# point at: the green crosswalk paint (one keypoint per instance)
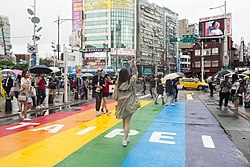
(108, 152)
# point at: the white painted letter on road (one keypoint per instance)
(162, 137)
(22, 124)
(207, 141)
(116, 132)
(84, 131)
(50, 129)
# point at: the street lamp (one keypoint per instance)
(225, 31)
(35, 20)
(59, 21)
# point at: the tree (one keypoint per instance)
(46, 62)
(21, 66)
(6, 63)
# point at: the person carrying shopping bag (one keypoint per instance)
(25, 94)
(127, 102)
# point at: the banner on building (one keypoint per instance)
(77, 9)
(122, 52)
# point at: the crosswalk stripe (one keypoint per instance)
(189, 97)
(207, 141)
(144, 96)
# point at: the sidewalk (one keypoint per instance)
(242, 111)
(58, 102)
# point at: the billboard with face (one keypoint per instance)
(214, 26)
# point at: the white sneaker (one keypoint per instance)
(124, 143)
(38, 107)
(172, 104)
(42, 106)
(27, 119)
(20, 114)
(128, 139)
(97, 113)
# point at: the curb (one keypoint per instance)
(46, 108)
(235, 111)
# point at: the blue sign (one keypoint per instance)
(34, 58)
(179, 64)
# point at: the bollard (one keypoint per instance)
(63, 97)
(8, 105)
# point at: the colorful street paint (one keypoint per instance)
(158, 138)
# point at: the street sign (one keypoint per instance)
(178, 39)
(192, 38)
(32, 49)
(91, 50)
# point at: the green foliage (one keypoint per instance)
(20, 67)
(6, 63)
(46, 62)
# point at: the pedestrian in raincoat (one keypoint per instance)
(125, 95)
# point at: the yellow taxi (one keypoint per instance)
(193, 83)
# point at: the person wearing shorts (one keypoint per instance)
(105, 94)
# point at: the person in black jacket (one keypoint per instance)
(8, 84)
(97, 84)
(169, 92)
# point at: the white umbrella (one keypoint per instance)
(247, 72)
(170, 76)
(87, 75)
(55, 69)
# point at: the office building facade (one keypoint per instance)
(109, 24)
(5, 44)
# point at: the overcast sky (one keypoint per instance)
(48, 11)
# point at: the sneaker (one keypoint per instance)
(42, 106)
(233, 108)
(38, 107)
(108, 112)
(27, 119)
(97, 113)
(156, 103)
(219, 107)
(124, 143)
(166, 104)
(20, 114)
(176, 100)
(128, 139)
(172, 104)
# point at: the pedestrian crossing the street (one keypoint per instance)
(160, 136)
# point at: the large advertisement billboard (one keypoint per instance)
(76, 23)
(214, 26)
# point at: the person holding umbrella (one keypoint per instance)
(169, 92)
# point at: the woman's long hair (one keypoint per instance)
(123, 76)
(24, 73)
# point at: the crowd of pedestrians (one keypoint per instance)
(233, 90)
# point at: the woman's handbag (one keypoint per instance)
(22, 98)
(12, 91)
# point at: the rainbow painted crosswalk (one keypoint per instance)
(159, 138)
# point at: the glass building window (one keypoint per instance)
(207, 63)
(94, 15)
(197, 64)
(96, 30)
(215, 51)
(97, 22)
(215, 63)
(96, 38)
(207, 52)
(197, 52)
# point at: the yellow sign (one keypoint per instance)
(107, 4)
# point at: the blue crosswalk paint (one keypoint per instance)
(163, 144)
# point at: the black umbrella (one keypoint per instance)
(40, 69)
(220, 74)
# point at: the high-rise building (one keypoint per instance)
(5, 45)
(171, 30)
(186, 49)
(109, 24)
(150, 33)
(156, 26)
